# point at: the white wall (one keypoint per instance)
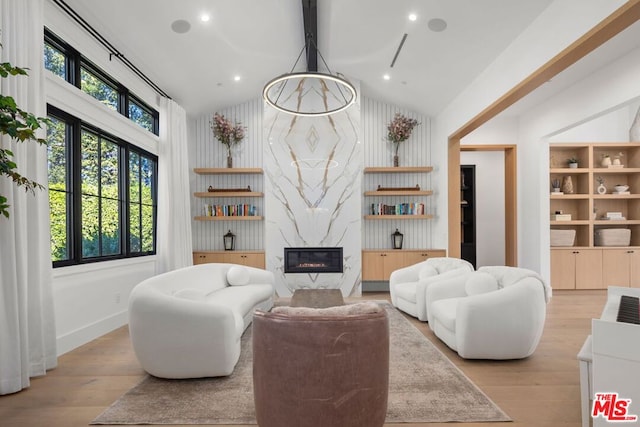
(557, 27)
(489, 205)
(594, 98)
(610, 127)
(91, 300)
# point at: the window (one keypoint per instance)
(64, 61)
(99, 88)
(143, 115)
(101, 201)
(142, 173)
(55, 60)
(102, 193)
(60, 195)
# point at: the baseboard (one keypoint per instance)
(88, 333)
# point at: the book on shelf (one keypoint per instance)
(561, 217)
(398, 209)
(230, 210)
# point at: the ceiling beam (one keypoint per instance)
(310, 19)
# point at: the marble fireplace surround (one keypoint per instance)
(313, 168)
(313, 186)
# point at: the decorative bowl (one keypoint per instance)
(621, 188)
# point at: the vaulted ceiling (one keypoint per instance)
(257, 40)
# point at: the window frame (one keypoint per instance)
(75, 61)
(74, 131)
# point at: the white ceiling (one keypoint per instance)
(260, 39)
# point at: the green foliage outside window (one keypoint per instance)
(140, 116)
(55, 61)
(100, 196)
(58, 194)
(99, 89)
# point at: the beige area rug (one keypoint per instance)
(424, 386)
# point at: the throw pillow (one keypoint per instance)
(191, 294)
(480, 283)
(238, 276)
(427, 271)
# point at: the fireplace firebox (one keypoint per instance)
(313, 260)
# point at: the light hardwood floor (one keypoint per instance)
(540, 391)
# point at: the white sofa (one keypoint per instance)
(408, 285)
(187, 323)
(493, 313)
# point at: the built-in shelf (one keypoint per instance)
(612, 222)
(569, 171)
(398, 193)
(616, 170)
(398, 216)
(228, 218)
(229, 194)
(408, 169)
(572, 222)
(570, 196)
(227, 171)
(616, 196)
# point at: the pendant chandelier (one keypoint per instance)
(309, 93)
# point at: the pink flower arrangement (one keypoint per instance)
(226, 132)
(400, 129)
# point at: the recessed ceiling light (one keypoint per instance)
(205, 17)
(413, 17)
(236, 78)
(386, 77)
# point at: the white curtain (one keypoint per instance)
(174, 210)
(27, 328)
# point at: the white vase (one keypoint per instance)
(567, 185)
(606, 162)
(634, 132)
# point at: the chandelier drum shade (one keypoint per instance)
(309, 93)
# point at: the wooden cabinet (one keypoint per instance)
(379, 264)
(587, 194)
(577, 268)
(249, 258)
(621, 267)
(413, 257)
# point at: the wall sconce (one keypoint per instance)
(229, 241)
(396, 239)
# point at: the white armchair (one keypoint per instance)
(407, 286)
(493, 313)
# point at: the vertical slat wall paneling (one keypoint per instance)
(378, 152)
(210, 153)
